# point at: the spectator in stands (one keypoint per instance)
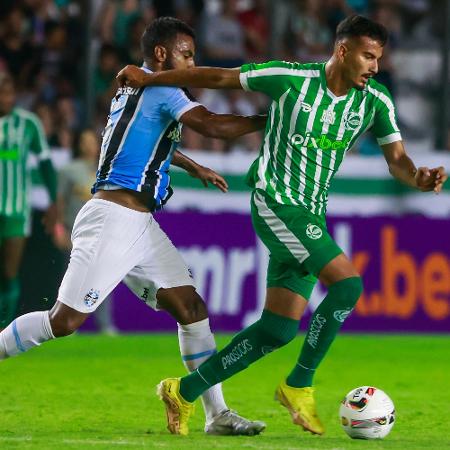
(254, 22)
(104, 77)
(16, 50)
(337, 10)
(117, 16)
(223, 38)
(21, 134)
(133, 53)
(312, 38)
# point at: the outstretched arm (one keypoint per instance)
(221, 126)
(202, 77)
(195, 170)
(402, 168)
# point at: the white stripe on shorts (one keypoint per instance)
(284, 235)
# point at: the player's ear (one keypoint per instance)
(160, 53)
(341, 50)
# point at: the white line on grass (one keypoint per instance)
(16, 438)
(85, 441)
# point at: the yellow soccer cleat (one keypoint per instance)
(178, 409)
(301, 405)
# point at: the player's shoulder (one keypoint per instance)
(28, 116)
(161, 94)
(377, 89)
(291, 68)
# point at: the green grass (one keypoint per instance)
(90, 392)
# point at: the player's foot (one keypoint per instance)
(301, 405)
(230, 423)
(178, 409)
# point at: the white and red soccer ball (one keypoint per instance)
(367, 413)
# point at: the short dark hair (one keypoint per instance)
(161, 32)
(356, 26)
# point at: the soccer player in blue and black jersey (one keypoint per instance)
(115, 236)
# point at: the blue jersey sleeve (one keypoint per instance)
(177, 102)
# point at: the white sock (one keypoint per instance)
(25, 332)
(197, 344)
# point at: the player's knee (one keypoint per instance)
(347, 291)
(279, 330)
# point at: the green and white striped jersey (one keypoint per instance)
(20, 133)
(309, 129)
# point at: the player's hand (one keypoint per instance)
(430, 179)
(50, 218)
(132, 76)
(206, 176)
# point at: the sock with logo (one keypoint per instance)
(271, 331)
(197, 344)
(323, 328)
(10, 298)
(25, 332)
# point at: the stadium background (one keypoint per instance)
(64, 55)
(97, 391)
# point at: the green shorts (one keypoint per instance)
(14, 226)
(298, 241)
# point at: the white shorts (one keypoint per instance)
(112, 243)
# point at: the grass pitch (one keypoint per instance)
(93, 392)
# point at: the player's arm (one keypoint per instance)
(221, 126)
(195, 170)
(403, 169)
(202, 77)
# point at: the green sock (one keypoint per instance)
(323, 328)
(10, 295)
(271, 331)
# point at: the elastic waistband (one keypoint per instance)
(110, 204)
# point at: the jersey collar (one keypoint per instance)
(330, 94)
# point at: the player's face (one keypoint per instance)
(7, 98)
(181, 54)
(360, 60)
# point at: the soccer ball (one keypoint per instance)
(367, 413)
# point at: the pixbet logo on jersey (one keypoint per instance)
(321, 142)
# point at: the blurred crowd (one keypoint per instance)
(56, 49)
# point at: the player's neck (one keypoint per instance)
(335, 82)
(153, 66)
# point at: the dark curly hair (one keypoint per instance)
(163, 31)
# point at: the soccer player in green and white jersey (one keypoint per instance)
(317, 113)
(20, 133)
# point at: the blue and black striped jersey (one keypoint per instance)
(140, 137)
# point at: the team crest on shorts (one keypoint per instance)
(313, 231)
(91, 298)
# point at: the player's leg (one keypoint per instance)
(277, 326)
(12, 245)
(344, 289)
(301, 241)
(95, 268)
(271, 331)
(163, 281)
(197, 344)
(293, 236)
